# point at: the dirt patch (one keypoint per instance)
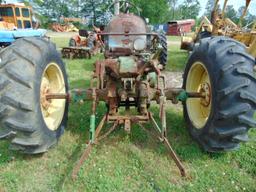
(170, 43)
(173, 79)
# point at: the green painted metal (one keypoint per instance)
(92, 128)
(183, 96)
(127, 65)
(152, 79)
(77, 97)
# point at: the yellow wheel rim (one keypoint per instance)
(52, 82)
(199, 108)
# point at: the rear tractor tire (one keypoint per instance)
(224, 70)
(204, 34)
(29, 69)
(72, 42)
(163, 59)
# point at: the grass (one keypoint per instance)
(60, 42)
(123, 163)
(174, 38)
(176, 58)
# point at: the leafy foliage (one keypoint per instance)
(209, 7)
(154, 10)
(190, 9)
(97, 12)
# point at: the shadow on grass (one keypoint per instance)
(186, 148)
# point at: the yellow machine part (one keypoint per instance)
(21, 16)
(5, 25)
(252, 48)
(197, 110)
(52, 81)
(245, 38)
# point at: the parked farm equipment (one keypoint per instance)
(66, 24)
(84, 48)
(67, 27)
(219, 25)
(218, 94)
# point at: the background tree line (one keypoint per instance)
(158, 11)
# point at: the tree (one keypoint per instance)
(96, 10)
(173, 4)
(52, 9)
(190, 9)
(209, 8)
(240, 13)
(155, 10)
(248, 20)
(231, 13)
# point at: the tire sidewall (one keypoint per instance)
(72, 42)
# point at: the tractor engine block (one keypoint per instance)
(126, 83)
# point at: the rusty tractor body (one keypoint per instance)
(130, 77)
(218, 93)
(219, 25)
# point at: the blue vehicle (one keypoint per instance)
(9, 36)
(16, 22)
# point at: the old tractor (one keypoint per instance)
(16, 22)
(218, 94)
(220, 25)
(84, 45)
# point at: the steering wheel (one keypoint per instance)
(126, 5)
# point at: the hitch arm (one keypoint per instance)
(168, 145)
(176, 95)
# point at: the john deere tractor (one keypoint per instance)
(218, 93)
(16, 22)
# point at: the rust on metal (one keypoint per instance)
(87, 150)
(175, 157)
(51, 96)
(76, 52)
(116, 123)
(84, 46)
(84, 156)
(206, 94)
(130, 78)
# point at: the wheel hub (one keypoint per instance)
(206, 92)
(199, 109)
(44, 102)
(52, 83)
